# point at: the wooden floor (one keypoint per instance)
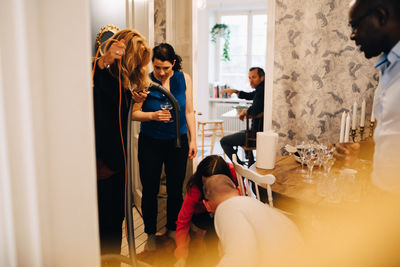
(140, 235)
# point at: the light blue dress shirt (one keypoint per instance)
(386, 168)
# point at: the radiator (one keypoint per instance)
(231, 125)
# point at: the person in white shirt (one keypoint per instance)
(375, 29)
(251, 233)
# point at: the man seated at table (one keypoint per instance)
(251, 233)
(256, 79)
(376, 29)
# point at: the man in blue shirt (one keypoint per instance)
(375, 28)
(256, 79)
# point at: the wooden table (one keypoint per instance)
(330, 229)
(289, 182)
(290, 189)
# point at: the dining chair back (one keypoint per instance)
(244, 175)
(251, 134)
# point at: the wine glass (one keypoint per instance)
(310, 159)
(334, 193)
(301, 151)
(166, 106)
(328, 162)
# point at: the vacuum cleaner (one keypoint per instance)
(132, 260)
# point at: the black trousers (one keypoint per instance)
(152, 154)
(110, 197)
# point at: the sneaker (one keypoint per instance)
(150, 243)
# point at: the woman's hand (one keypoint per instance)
(192, 150)
(116, 51)
(161, 115)
(139, 97)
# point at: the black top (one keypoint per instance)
(258, 105)
(107, 107)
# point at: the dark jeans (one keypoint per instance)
(110, 197)
(230, 143)
(152, 154)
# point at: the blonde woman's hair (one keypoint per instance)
(134, 64)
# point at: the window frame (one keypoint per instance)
(249, 14)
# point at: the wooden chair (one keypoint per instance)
(242, 172)
(210, 126)
(250, 138)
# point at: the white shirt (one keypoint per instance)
(386, 166)
(254, 234)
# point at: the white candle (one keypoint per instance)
(353, 122)
(342, 125)
(362, 120)
(372, 111)
(347, 130)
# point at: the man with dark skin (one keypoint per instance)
(371, 228)
(375, 28)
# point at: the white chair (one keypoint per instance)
(242, 172)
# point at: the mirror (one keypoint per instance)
(104, 34)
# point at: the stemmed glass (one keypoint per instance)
(324, 183)
(310, 159)
(320, 150)
(166, 106)
(327, 163)
(301, 151)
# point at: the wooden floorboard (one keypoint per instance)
(140, 235)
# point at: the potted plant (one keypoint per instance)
(222, 30)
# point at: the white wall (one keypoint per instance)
(203, 70)
(46, 137)
(103, 12)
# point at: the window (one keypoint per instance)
(247, 47)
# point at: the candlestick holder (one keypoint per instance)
(353, 134)
(358, 133)
(371, 128)
(362, 128)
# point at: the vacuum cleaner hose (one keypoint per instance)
(156, 87)
(129, 188)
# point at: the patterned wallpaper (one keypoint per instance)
(318, 73)
(159, 21)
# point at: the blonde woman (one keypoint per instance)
(128, 53)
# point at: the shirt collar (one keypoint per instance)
(260, 85)
(386, 59)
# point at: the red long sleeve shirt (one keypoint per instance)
(192, 204)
